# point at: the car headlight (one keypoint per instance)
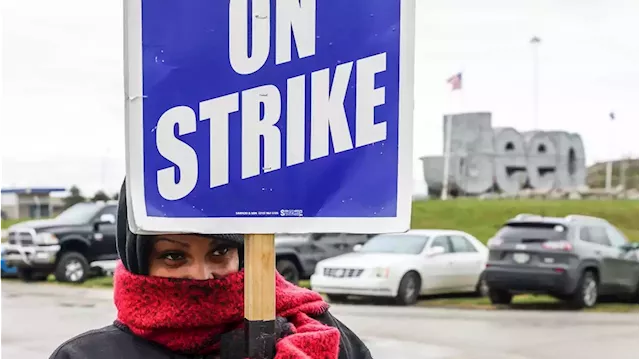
(46, 238)
(381, 272)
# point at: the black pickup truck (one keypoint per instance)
(70, 246)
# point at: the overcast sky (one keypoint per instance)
(62, 76)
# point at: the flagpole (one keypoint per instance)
(447, 158)
(456, 83)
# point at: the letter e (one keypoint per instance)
(367, 98)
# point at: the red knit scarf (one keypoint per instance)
(189, 316)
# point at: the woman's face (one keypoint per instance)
(192, 257)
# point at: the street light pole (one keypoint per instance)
(609, 166)
(535, 43)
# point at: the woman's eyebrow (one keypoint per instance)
(215, 244)
(161, 238)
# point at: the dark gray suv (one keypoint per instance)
(575, 258)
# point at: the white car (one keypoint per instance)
(404, 266)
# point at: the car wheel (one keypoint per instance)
(500, 297)
(409, 289)
(29, 275)
(586, 293)
(72, 267)
(288, 270)
(337, 298)
(482, 288)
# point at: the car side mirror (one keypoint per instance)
(435, 251)
(357, 247)
(106, 218)
(633, 246)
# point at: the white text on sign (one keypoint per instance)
(328, 115)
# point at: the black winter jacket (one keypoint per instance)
(116, 342)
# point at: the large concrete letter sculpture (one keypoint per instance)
(483, 158)
(571, 170)
(510, 160)
(541, 161)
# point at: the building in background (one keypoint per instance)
(31, 202)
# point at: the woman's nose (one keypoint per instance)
(200, 271)
(206, 270)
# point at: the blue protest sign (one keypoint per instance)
(269, 116)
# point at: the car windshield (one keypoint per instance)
(79, 213)
(532, 231)
(398, 244)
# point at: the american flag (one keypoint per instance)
(455, 81)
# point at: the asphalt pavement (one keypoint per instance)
(36, 318)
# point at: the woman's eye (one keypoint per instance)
(173, 256)
(220, 251)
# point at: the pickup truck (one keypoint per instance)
(71, 246)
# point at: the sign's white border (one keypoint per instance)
(141, 223)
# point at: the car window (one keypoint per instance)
(79, 213)
(584, 234)
(598, 235)
(442, 242)
(519, 231)
(461, 245)
(395, 243)
(616, 238)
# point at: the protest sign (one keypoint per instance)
(269, 116)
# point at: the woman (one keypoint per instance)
(182, 296)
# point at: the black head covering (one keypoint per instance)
(134, 249)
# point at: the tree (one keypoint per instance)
(100, 196)
(75, 196)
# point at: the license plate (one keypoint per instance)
(521, 258)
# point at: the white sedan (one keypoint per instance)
(404, 266)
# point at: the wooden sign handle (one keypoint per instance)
(260, 295)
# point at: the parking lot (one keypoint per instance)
(36, 318)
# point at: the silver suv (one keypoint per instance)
(575, 258)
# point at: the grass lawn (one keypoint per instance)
(483, 218)
(6, 223)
